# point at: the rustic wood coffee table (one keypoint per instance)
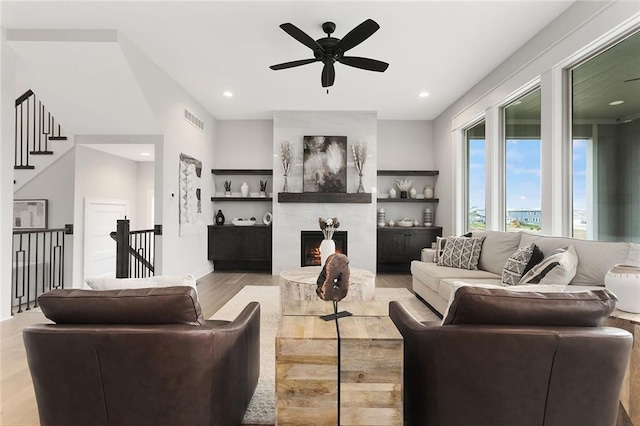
(307, 366)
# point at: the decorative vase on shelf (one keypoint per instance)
(286, 184)
(403, 194)
(381, 217)
(413, 193)
(327, 248)
(219, 218)
(624, 282)
(244, 190)
(428, 217)
(392, 193)
(360, 189)
(428, 192)
(227, 193)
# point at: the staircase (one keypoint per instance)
(35, 129)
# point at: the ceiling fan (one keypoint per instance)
(329, 49)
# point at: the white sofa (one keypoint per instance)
(433, 283)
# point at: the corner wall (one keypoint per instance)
(7, 100)
(167, 100)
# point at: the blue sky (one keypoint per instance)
(523, 173)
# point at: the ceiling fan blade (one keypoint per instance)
(357, 35)
(292, 64)
(364, 63)
(301, 36)
(328, 74)
(631, 79)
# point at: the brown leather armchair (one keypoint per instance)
(141, 357)
(511, 358)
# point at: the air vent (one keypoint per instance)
(188, 115)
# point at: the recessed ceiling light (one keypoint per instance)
(616, 103)
(145, 154)
(423, 94)
(227, 94)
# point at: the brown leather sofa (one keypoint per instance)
(141, 357)
(512, 358)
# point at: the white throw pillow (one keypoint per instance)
(541, 288)
(125, 283)
(558, 267)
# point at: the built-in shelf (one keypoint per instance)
(242, 199)
(391, 228)
(252, 172)
(408, 172)
(323, 197)
(408, 200)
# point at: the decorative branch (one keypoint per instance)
(359, 156)
(285, 154)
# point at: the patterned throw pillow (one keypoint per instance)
(440, 242)
(461, 252)
(520, 262)
(559, 267)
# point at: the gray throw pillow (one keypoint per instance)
(520, 262)
(461, 252)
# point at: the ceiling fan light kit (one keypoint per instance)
(330, 50)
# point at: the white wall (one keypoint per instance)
(146, 176)
(243, 144)
(359, 220)
(581, 29)
(405, 145)
(7, 100)
(167, 100)
(104, 176)
(56, 183)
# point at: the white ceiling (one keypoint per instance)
(208, 47)
(132, 151)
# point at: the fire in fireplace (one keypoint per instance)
(310, 246)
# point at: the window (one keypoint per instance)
(606, 149)
(476, 156)
(522, 163)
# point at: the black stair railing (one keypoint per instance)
(135, 250)
(38, 265)
(34, 128)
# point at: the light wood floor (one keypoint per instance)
(17, 399)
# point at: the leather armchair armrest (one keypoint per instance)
(427, 255)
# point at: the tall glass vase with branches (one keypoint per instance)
(359, 158)
(285, 157)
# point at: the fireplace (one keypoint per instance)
(310, 246)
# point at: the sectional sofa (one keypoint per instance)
(434, 283)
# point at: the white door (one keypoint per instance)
(99, 248)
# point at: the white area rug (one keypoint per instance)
(262, 408)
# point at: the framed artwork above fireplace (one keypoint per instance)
(325, 164)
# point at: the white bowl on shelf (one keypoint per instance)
(243, 222)
(405, 223)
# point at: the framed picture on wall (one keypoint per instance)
(325, 164)
(30, 214)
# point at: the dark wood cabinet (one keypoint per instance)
(397, 246)
(240, 247)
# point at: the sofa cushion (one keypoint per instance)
(430, 274)
(163, 305)
(129, 283)
(474, 305)
(496, 249)
(520, 262)
(461, 252)
(595, 258)
(448, 285)
(558, 267)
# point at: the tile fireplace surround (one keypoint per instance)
(358, 219)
